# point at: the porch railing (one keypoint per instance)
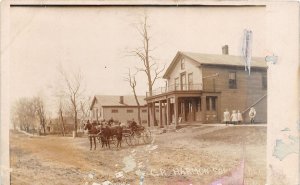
(176, 87)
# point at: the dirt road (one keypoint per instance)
(195, 156)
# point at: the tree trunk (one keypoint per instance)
(139, 115)
(62, 122)
(75, 122)
(44, 124)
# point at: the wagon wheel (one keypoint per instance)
(128, 139)
(147, 137)
(136, 138)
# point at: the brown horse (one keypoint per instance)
(92, 132)
(108, 132)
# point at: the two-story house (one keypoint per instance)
(200, 87)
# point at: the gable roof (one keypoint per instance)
(213, 59)
(113, 100)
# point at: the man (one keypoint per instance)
(252, 114)
(226, 117)
(111, 121)
(119, 135)
(134, 125)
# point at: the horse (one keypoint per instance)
(92, 132)
(108, 132)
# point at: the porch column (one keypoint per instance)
(176, 111)
(183, 119)
(154, 114)
(148, 115)
(203, 108)
(194, 109)
(165, 114)
(168, 112)
(160, 114)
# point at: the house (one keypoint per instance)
(121, 108)
(55, 125)
(200, 87)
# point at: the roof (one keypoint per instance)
(110, 100)
(213, 59)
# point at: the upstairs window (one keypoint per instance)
(264, 81)
(182, 64)
(176, 83)
(232, 80)
(114, 111)
(129, 111)
(190, 81)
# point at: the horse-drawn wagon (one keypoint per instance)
(132, 134)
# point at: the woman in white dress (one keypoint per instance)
(226, 117)
(234, 117)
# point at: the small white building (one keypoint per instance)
(121, 108)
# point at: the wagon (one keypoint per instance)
(132, 136)
(137, 136)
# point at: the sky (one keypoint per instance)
(96, 41)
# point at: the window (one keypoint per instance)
(198, 105)
(176, 83)
(181, 107)
(211, 103)
(129, 111)
(182, 64)
(190, 81)
(264, 81)
(183, 81)
(114, 111)
(144, 110)
(190, 107)
(144, 121)
(232, 80)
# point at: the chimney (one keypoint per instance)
(121, 99)
(225, 50)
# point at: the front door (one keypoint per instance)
(211, 109)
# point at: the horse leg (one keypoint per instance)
(107, 140)
(95, 142)
(90, 142)
(102, 142)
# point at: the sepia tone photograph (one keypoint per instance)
(148, 93)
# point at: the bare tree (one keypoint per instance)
(84, 109)
(132, 82)
(144, 53)
(61, 117)
(24, 114)
(74, 91)
(39, 107)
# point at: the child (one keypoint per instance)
(226, 117)
(240, 117)
(234, 117)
